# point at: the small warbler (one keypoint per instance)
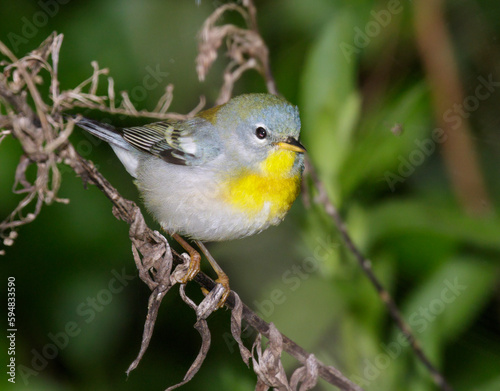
(228, 172)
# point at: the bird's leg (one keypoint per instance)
(194, 265)
(222, 277)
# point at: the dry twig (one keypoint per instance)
(366, 266)
(245, 48)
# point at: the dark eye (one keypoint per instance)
(261, 133)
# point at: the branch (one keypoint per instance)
(366, 266)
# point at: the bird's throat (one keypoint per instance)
(273, 188)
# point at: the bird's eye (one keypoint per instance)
(261, 133)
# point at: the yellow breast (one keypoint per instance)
(274, 187)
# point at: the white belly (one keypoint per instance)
(187, 200)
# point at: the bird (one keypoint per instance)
(226, 173)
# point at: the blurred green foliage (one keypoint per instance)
(441, 265)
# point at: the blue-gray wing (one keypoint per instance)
(189, 143)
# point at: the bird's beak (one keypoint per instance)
(291, 144)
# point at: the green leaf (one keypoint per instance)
(378, 153)
(330, 101)
(395, 218)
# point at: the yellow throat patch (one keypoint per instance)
(275, 186)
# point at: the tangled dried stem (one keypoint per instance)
(244, 47)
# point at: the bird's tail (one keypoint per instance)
(105, 132)
(128, 155)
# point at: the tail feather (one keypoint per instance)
(105, 132)
(128, 155)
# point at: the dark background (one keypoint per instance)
(438, 255)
